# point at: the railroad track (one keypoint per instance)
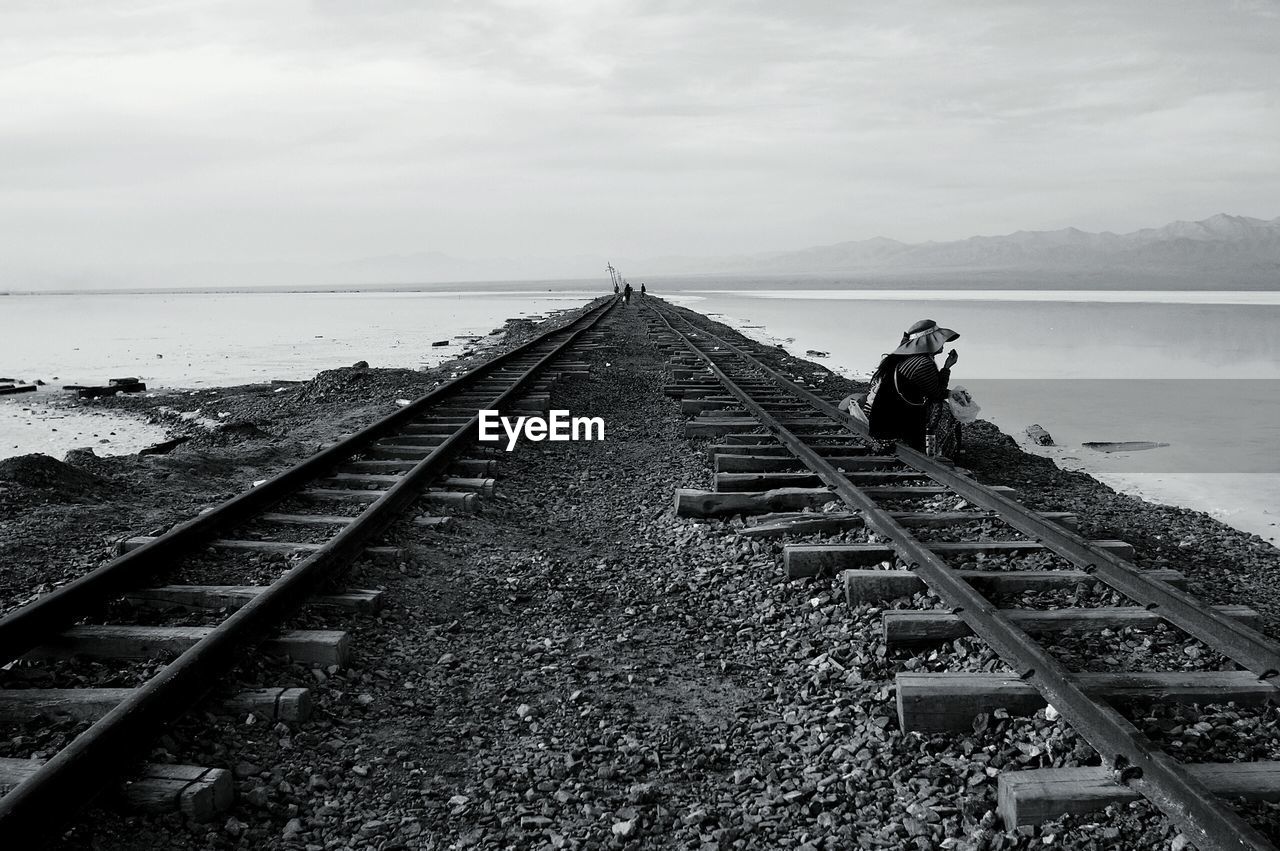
(781, 448)
(316, 519)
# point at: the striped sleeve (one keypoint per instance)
(920, 377)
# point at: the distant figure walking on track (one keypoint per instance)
(626, 294)
(615, 287)
(908, 395)
(642, 289)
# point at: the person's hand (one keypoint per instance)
(952, 357)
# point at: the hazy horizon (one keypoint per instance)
(180, 142)
(897, 280)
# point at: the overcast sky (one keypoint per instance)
(176, 132)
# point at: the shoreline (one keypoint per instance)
(123, 424)
(203, 340)
(55, 422)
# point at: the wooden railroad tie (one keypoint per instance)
(460, 501)
(691, 391)
(696, 389)
(709, 403)
(268, 547)
(416, 441)
(801, 560)
(438, 424)
(811, 522)
(878, 586)
(340, 494)
(766, 447)
(909, 628)
(470, 468)
(690, 502)
(457, 500)
(305, 519)
(948, 702)
(198, 793)
(98, 641)
(785, 463)
(714, 406)
(717, 426)
(537, 402)
(90, 704)
(1032, 797)
(752, 482)
(433, 429)
(235, 596)
(818, 442)
(396, 452)
(482, 486)
(695, 393)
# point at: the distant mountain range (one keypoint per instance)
(1242, 244)
(1219, 252)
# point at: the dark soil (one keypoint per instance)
(39, 477)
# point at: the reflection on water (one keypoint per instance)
(209, 339)
(1025, 339)
(1206, 425)
(1267, 297)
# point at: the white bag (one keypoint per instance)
(962, 405)
(852, 405)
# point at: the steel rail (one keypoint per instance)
(1249, 647)
(80, 769)
(1205, 819)
(24, 628)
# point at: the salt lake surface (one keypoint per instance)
(203, 339)
(219, 339)
(1087, 365)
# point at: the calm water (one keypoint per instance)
(1037, 334)
(210, 339)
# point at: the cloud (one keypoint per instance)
(144, 132)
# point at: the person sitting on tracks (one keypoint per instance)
(626, 294)
(908, 396)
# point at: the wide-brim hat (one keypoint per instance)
(925, 338)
